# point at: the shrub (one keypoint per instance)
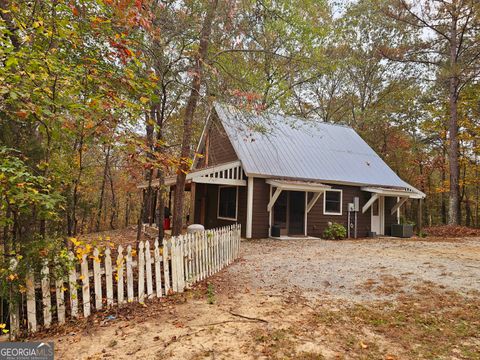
(335, 231)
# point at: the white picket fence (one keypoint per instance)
(134, 276)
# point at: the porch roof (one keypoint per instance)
(226, 174)
(402, 195)
(406, 193)
(295, 185)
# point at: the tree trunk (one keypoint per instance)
(139, 222)
(453, 204)
(468, 211)
(443, 200)
(114, 213)
(127, 209)
(161, 214)
(102, 189)
(477, 192)
(188, 118)
(147, 203)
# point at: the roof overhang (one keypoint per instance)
(406, 193)
(292, 185)
(230, 173)
(298, 185)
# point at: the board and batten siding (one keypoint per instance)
(261, 197)
(318, 222)
(220, 149)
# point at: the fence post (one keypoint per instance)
(141, 272)
(196, 263)
(148, 269)
(60, 297)
(31, 304)
(85, 286)
(97, 279)
(72, 284)
(210, 257)
(173, 257)
(108, 276)
(166, 270)
(129, 274)
(181, 263)
(46, 298)
(158, 274)
(120, 263)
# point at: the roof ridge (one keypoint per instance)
(269, 112)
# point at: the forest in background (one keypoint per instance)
(98, 96)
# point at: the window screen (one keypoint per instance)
(227, 202)
(333, 203)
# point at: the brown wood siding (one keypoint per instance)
(210, 194)
(220, 149)
(318, 222)
(261, 197)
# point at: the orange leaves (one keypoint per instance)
(74, 9)
(12, 277)
(121, 50)
(22, 114)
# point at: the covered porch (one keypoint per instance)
(289, 205)
(380, 213)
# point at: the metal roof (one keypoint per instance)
(276, 146)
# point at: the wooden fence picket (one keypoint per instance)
(141, 272)
(85, 286)
(210, 257)
(181, 262)
(186, 262)
(204, 255)
(166, 265)
(174, 262)
(46, 301)
(158, 269)
(196, 241)
(73, 288)
(60, 298)
(129, 274)
(97, 279)
(108, 276)
(119, 267)
(148, 269)
(31, 304)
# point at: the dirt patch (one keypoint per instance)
(452, 231)
(113, 238)
(375, 299)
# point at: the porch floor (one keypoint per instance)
(286, 237)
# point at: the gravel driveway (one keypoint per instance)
(358, 269)
(308, 299)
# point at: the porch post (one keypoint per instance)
(192, 202)
(248, 230)
(420, 217)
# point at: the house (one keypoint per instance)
(286, 176)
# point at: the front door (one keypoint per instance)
(377, 207)
(296, 213)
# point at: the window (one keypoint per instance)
(227, 202)
(332, 202)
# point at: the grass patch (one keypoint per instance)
(431, 324)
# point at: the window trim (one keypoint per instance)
(325, 202)
(236, 203)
